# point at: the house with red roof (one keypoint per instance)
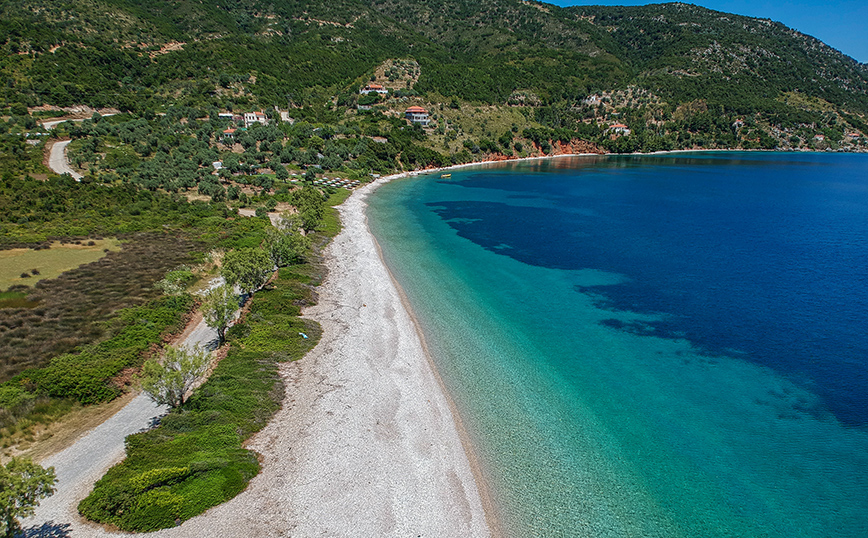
(255, 117)
(229, 134)
(620, 129)
(417, 114)
(373, 88)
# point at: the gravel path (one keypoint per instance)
(57, 160)
(81, 465)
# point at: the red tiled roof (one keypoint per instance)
(417, 110)
(374, 87)
(229, 131)
(618, 126)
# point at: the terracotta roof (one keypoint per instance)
(229, 131)
(374, 87)
(417, 110)
(618, 126)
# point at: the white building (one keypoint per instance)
(375, 88)
(254, 117)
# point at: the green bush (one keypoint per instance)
(195, 458)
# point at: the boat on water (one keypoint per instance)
(444, 176)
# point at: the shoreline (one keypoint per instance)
(367, 442)
(486, 498)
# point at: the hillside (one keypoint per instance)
(493, 72)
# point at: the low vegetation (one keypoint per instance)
(195, 459)
(26, 267)
(73, 310)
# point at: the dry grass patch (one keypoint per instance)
(74, 309)
(40, 440)
(51, 262)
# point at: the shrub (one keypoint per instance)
(195, 458)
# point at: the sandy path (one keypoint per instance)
(274, 216)
(81, 465)
(57, 160)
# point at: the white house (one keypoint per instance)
(620, 129)
(375, 88)
(254, 117)
(417, 114)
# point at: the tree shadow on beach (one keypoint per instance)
(48, 530)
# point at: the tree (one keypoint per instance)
(219, 309)
(248, 268)
(285, 244)
(169, 382)
(311, 207)
(22, 484)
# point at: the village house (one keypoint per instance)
(373, 88)
(619, 129)
(417, 114)
(255, 117)
(229, 135)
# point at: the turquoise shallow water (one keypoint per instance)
(668, 346)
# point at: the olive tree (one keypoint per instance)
(219, 309)
(22, 485)
(285, 243)
(247, 268)
(168, 382)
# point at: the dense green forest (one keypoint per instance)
(676, 72)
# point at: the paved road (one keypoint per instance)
(81, 465)
(51, 124)
(57, 160)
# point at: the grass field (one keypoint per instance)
(49, 263)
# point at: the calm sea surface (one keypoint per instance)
(650, 346)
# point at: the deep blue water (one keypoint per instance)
(651, 346)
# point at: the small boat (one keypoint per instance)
(445, 176)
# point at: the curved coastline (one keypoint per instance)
(367, 442)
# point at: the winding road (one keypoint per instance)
(57, 160)
(81, 465)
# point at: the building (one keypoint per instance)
(373, 88)
(619, 129)
(417, 114)
(255, 117)
(738, 124)
(229, 134)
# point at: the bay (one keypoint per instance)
(668, 345)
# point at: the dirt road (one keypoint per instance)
(81, 465)
(57, 160)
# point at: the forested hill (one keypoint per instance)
(665, 68)
(111, 50)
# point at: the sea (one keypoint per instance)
(649, 346)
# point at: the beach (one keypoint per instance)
(366, 443)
